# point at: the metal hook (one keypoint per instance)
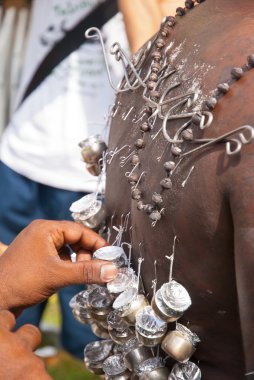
(124, 160)
(114, 152)
(141, 175)
(95, 33)
(223, 138)
(130, 252)
(128, 174)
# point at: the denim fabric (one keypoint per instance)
(22, 201)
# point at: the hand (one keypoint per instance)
(37, 263)
(16, 351)
(3, 248)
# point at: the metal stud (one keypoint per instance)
(165, 30)
(135, 160)
(170, 21)
(140, 143)
(166, 183)
(160, 43)
(153, 77)
(157, 199)
(223, 88)
(140, 205)
(156, 55)
(211, 103)
(133, 179)
(176, 151)
(151, 85)
(145, 127)
(187, 134)
(196, 119)
(155, 216)
(237, 73)
(169, 166)
(250, 60)
(136, 194)
(180, 11)
(155, 67)
(154, 94)
(189, 4)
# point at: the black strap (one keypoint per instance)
(73, 39)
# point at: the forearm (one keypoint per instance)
(3, 247)
(143, 17)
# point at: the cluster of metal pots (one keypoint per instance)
(132, 328)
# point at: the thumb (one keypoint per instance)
(86, 272)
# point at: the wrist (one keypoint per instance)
(5, 291)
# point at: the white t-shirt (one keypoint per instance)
(41, 141)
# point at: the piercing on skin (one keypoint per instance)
(188, 176)
(171, 259)
(124, 160)
(140, 177)
(140, 261)
(154, 282)
(126, 114)
(128, 174)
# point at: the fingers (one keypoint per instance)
(7, 320)
(74, 234)
(30, 336)
(86, 272)
(3, 248)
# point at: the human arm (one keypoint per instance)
(143, 17)
(37, 263)
(16, 351)
(3, 248)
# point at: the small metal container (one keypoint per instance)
(79, 307)
(99, 331)
(129, 303)
(171, 301)
(94, 170)
(135, 354)
(153, 369)
(180, 344)
(185, 371)
(115, 369)
(96, 353)
(156, 374)
(150, 329)
(118, 329)
(99, 303)
(89, 211)
(125, 279)
(92, 149)
(112, 253)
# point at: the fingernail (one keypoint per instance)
(108, 272)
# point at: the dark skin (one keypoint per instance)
(33, 267)
(213, 215)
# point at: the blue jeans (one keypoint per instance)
(22, 201)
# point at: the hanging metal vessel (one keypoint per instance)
(171, 301)
(115, 369)
(112, 253)
(185, 371)
(95, 353)
(89, 211)
(180, 344)
(92, 149)
(153, 369)
(150, 329)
